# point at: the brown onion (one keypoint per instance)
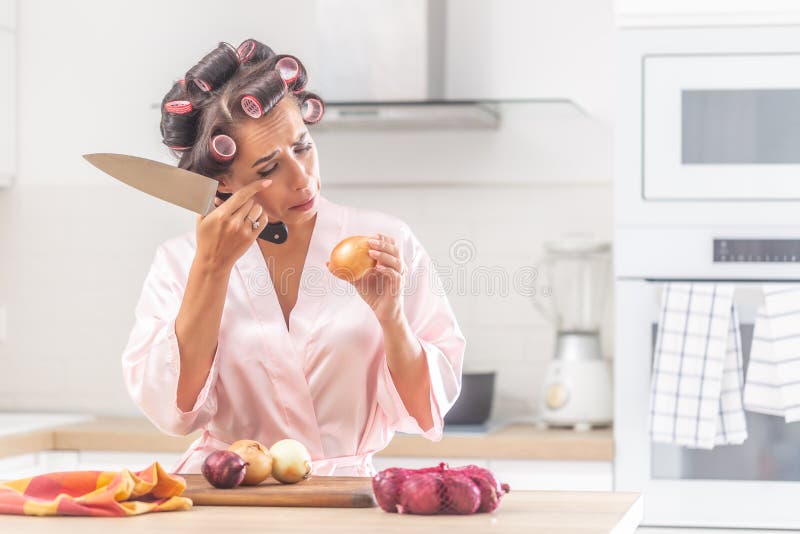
(350, 259)
(257, 458)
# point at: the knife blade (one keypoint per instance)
(177, 186)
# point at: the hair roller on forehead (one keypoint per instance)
(213, 70)
(262, 94)
(312, 108)
(201, 115)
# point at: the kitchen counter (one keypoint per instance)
(517, 441)
(525, 511)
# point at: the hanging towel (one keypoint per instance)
(773, 373)
(95, 493)
(696, 389)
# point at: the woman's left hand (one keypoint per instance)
(382, 286)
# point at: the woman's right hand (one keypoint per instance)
(225, 233)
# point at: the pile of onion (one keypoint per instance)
(350, 259)
(248, 462)
(438, 490)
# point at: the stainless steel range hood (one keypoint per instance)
(383, 65)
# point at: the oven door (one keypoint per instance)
(721, 127)
(753, 485)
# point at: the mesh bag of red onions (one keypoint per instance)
(438, 490)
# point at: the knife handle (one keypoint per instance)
(273, 232)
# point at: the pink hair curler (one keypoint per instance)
(246, 51)
(252, 106)
(182, 82)
(203, 85)
(223, 148)
(179, 107)
(312, 110)
(178, 148)
(288, 68)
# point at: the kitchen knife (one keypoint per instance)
(177, 186)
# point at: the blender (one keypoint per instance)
(574, 288)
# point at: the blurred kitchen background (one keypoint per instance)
(532, 165)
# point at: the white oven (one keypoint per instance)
(707, 188)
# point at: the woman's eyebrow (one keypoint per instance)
(300, 139)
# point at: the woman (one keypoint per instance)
(246, 338)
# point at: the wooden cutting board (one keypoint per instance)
(317, 491)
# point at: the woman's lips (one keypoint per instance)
(306, 205)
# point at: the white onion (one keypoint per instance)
(291, 461)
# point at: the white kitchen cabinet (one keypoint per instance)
(524, 474)
(21, 466)
(27, 465)
(8, 107)
(554, 475)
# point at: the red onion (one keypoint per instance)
(386, 486)
(438, 489)
(421, 494)
(224, 469)
(491, 491)
(461, 495)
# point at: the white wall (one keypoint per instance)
(76, 245)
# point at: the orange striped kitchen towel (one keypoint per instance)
(95, 493)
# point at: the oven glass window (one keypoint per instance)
(771, 451)
(755, 126)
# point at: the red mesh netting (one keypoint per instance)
(438, 490)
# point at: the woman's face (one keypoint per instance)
(277, 147)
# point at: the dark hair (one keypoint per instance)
(214, 89)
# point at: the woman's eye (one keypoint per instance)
(267, 172)
(298, 150)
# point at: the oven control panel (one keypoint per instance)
(756, 250)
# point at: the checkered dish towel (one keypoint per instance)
(95, 493)
(773, 373)
(696, 390)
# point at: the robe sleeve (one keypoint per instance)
(433, 322)
(151, 360)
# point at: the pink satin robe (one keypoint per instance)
(324, 382)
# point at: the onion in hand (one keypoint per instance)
(291, 461)
(257, 458)
(350, 259)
